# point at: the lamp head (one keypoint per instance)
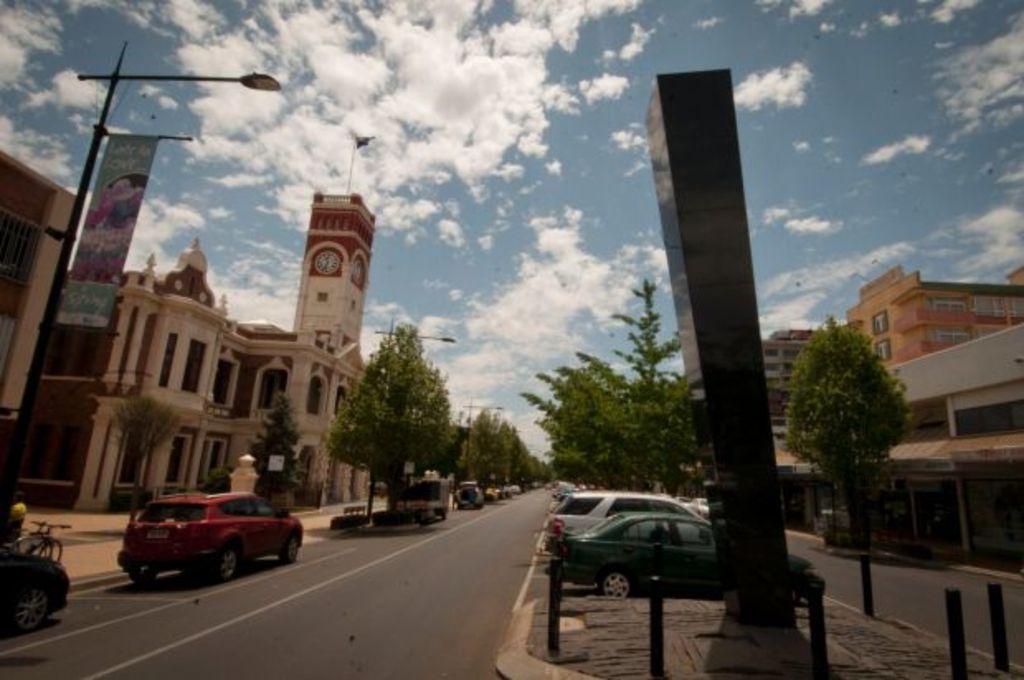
(260, 81)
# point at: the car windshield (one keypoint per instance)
(173, 512)
(605, 524)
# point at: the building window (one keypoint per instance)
(174, 461)
(8, 324)
(165, 368)
(1016, 306)
(985, 305)
(39, 454)
(274, 380)
(18, 239)
(947, 304)
(315, 396)
(880, 323)
(339, 398)
(950, 335)
(214, 454)
(321, 297)
(66, 453)
(884, 350)
(222, 381)
(129, 467)
(771, 352)
(1004, 417)
(193, 366)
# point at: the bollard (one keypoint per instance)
(955, 626)
(998, 620)
(819, 645)
(554, 602)
(865, 582)
(657, 629)
(658, 561)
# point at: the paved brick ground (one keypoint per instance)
(701, 641)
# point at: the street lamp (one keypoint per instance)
(19, 437)
(443, 338)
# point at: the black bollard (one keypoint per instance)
(554, 602)
(657, 629)
(819, 645)
(998, 619)
(865, 582)
(955, 626)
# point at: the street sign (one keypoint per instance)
(410, 467)
(275, 464)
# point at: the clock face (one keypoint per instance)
(327, 262)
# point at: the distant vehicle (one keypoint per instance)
(427, 499)
(212, 533)
(582, 510)
(617, 555)
(31, 588)
(469, 496)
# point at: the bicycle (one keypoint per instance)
(42, 542)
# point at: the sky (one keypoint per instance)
(509, 171)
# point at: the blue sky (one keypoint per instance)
(509, 172)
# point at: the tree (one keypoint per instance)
(398, 412)
(621, 430)
(279, 437)
(845, 412)
(144, 425)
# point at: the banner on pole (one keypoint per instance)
(95, 276)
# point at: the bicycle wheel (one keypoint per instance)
(29, 545)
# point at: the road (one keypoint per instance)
(430, 602)
(917, 594)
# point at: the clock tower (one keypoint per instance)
(335, 269)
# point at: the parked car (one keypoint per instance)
(214, 533)
(584, 509)
(617, 555)
(470, 496)
(698, 505)
(31, 588)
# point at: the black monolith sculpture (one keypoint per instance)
(691, 131)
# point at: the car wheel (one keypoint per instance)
(225, 566)
(615, 583)
(290, 550)
(142, 576)
(31, 607)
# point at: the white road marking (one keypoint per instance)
(529, 574)
(294, 596)
(215, 591)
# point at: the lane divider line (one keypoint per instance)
(529, 574)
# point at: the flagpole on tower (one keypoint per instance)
(357, 143)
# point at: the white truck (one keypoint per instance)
(427, 499)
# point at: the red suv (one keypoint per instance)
(216, 532)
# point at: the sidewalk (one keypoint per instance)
(94, 539)
(608, 638)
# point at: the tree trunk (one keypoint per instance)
(369, 502)
(856, 514)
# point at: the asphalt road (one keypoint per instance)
(916, 595)
(430, 602)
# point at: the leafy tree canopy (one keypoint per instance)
(279, 437)
(144, 425)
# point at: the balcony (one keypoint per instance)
(920, 348)
(919, 316)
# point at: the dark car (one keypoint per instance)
(31, 588)
(617, 555)
(470, 496)
(207, 532)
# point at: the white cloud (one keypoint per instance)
(559, 98)
(775, 214)
(890, 20)
(66, 90)
(807, 7)
(768, 5)
(46, 155)
(161, 221)
(24, 31)
(629, 139)
(998, 237)
(826, 27)
(241, 179)
(812, 225)
(220, 212)
(554, 167)
(986, 83)
(510, 171)
(1014, 175)
(945, 12)
(911, 144)
(605, 86)
(455, 294)
(637, 40)
(801, 146)
(794, 312)
(486, 242)
(705, 24)
(835, 274)
(784, 87)
(451, 233)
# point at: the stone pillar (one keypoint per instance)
(965, 521)
(694, 148)
(243, 477)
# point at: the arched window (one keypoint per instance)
(274, 380)
(315, 396)
(339, 398)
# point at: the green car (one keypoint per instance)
(617, 555)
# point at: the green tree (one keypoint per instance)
(621, 430)
(845, 412)
(144, 425)
(279, 437)
(398, 412)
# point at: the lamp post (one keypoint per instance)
(443, 338)
(19, 437)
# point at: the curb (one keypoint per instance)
(98, 581)
(516, 663)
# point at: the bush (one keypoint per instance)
(217, 481)
(392, 518)
(121, 501)
(349, 522)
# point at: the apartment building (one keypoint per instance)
(780, 351)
